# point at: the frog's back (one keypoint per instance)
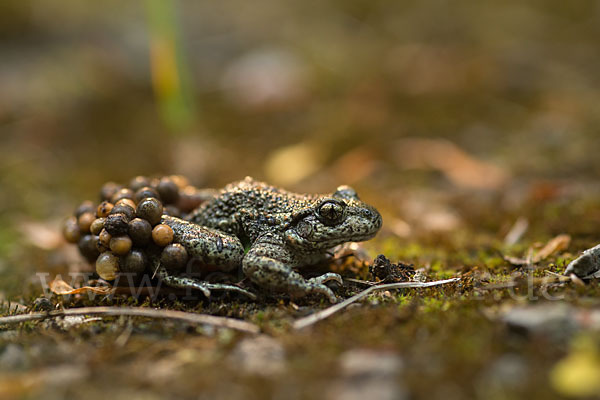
(247, 203)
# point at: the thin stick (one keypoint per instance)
(318, 316)
(137, 312)
(360, 282)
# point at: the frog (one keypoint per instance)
(271, 233)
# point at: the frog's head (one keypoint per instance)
(333, 220)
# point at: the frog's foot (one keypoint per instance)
(182, 282)
(317, 285)
(330, 276)
(277, 275)
(311, 287)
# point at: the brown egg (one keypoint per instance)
(139, 182)
(104, 238)
(162, 235)
(100, 247)
(107, 266)
(172, 211)
(116, 224)
(174, 257)
(128, 202)
(154, 183)
(150, 209)
(190, 198)
(87, 247)
(120, 245)
(71, 230)
(136, 261)
(168, 190)
(104, 209)
(109, 189)
(145, 192)
(122, 208)
(85, 221)
(97, 226)
(180, 180)
(124, 193)
(140, 232)
(86, 206)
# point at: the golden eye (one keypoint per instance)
(331, 211)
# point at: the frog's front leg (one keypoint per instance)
(269, 265)
(209, 246)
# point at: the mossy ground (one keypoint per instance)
(450, 338)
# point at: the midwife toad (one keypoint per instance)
(280, 230)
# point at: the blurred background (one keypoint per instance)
(411, 102)
(473, 126)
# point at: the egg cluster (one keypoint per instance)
(124, 229)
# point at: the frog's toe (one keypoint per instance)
(187, 283)
(330, 276)
(232, 288)
(324, 290)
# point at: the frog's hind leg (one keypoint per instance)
(207, 246)
(183, 282)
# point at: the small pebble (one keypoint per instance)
(42, 304)
(85, 221)
(120, 245)
(144, 192)
(140, 232)
(126, 209)
(107, 266)
(87, 247)
(162, 235)
(86, 206)
(150, 209)
(174, 257)
(109, 189)
(168, 190)
(124, 193)
(135, 261)
(71, 230)
(116, 224)
(139, 182)
(97, 226)
(104, 209)
(104, 238)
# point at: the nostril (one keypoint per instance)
(367, 213)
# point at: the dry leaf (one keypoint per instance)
(60, 287)
(516, 231)
(559, 243)
(43, 235)
(554, 245)
(290, 164)
(458, 166)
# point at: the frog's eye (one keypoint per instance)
(330, 211)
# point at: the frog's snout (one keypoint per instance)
(373, 215)
(370, 220)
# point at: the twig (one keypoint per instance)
(318, 316)
(360, 282)
(137, 312)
